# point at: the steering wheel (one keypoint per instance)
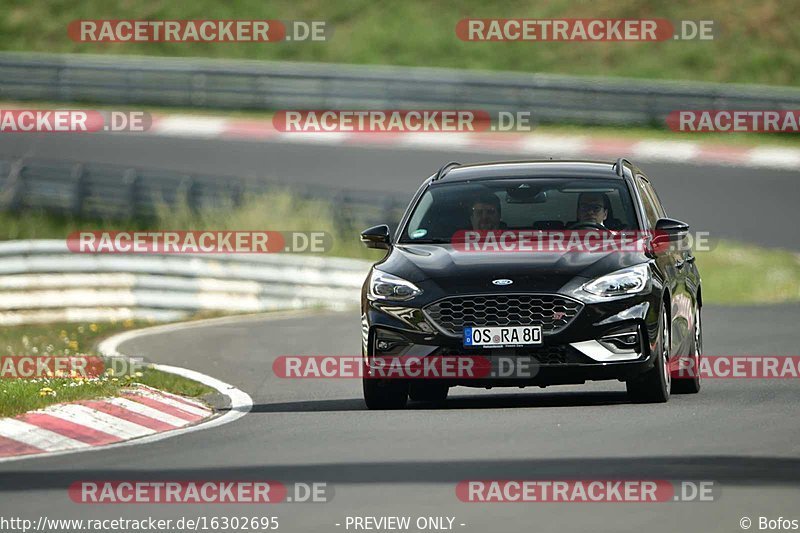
(587, 225)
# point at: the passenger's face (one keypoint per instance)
(590, 209)
(485, 216)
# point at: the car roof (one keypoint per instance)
(532, 169)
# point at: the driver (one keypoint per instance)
(485, 212)
(592, 208)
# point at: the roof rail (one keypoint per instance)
(445, 169)
(619, 166)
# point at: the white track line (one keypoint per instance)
(41, 438)
(190, 401)
(241, 402)
(173, 403)
(113, 425)
(149, 412)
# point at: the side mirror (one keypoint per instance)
(667, 230)
(673, 230)
(376, 237)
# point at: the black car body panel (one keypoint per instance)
(443, 272)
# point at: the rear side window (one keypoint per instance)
(652, 209)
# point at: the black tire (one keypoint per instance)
(692, 385)
(385, 394)
(654, 385)
(428, 392)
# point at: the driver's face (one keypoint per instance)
(590, 209)
(485, 216)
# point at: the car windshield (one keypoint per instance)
(515, 204)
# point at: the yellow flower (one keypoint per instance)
(109, 372)
(93, 327)
(138, 374)
(73, 345)
(128, 323)
(63, 333)
(114, 380)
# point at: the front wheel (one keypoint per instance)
(654, 385)
(692, 385)
(385, 394)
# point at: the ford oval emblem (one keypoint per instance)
(502, 282)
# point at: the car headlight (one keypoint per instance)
(629, 280)
(384, 286)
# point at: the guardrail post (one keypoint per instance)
(131, 179)
(187, 192)
(197, 90)
(236, 192)
(77, 175)
(11, 195)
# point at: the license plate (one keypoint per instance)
(502, 336)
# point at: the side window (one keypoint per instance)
(650, 209)
(656, 200)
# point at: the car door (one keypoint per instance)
(675, 262)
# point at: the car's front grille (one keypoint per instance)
(550, 311)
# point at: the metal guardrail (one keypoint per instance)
(42, 281)
(207, 83)
(120, 192)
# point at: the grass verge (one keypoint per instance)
(736, 274)
(756, 40)
(21, 395)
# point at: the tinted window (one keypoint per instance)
(651, 208)
(523, 204)
(656, 200)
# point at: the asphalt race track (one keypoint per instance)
(741, 434)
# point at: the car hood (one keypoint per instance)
(458, 271)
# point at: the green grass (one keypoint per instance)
(279, 210)
(735, 273)
(21, 395)
(757, 40)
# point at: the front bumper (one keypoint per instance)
(595, 345)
